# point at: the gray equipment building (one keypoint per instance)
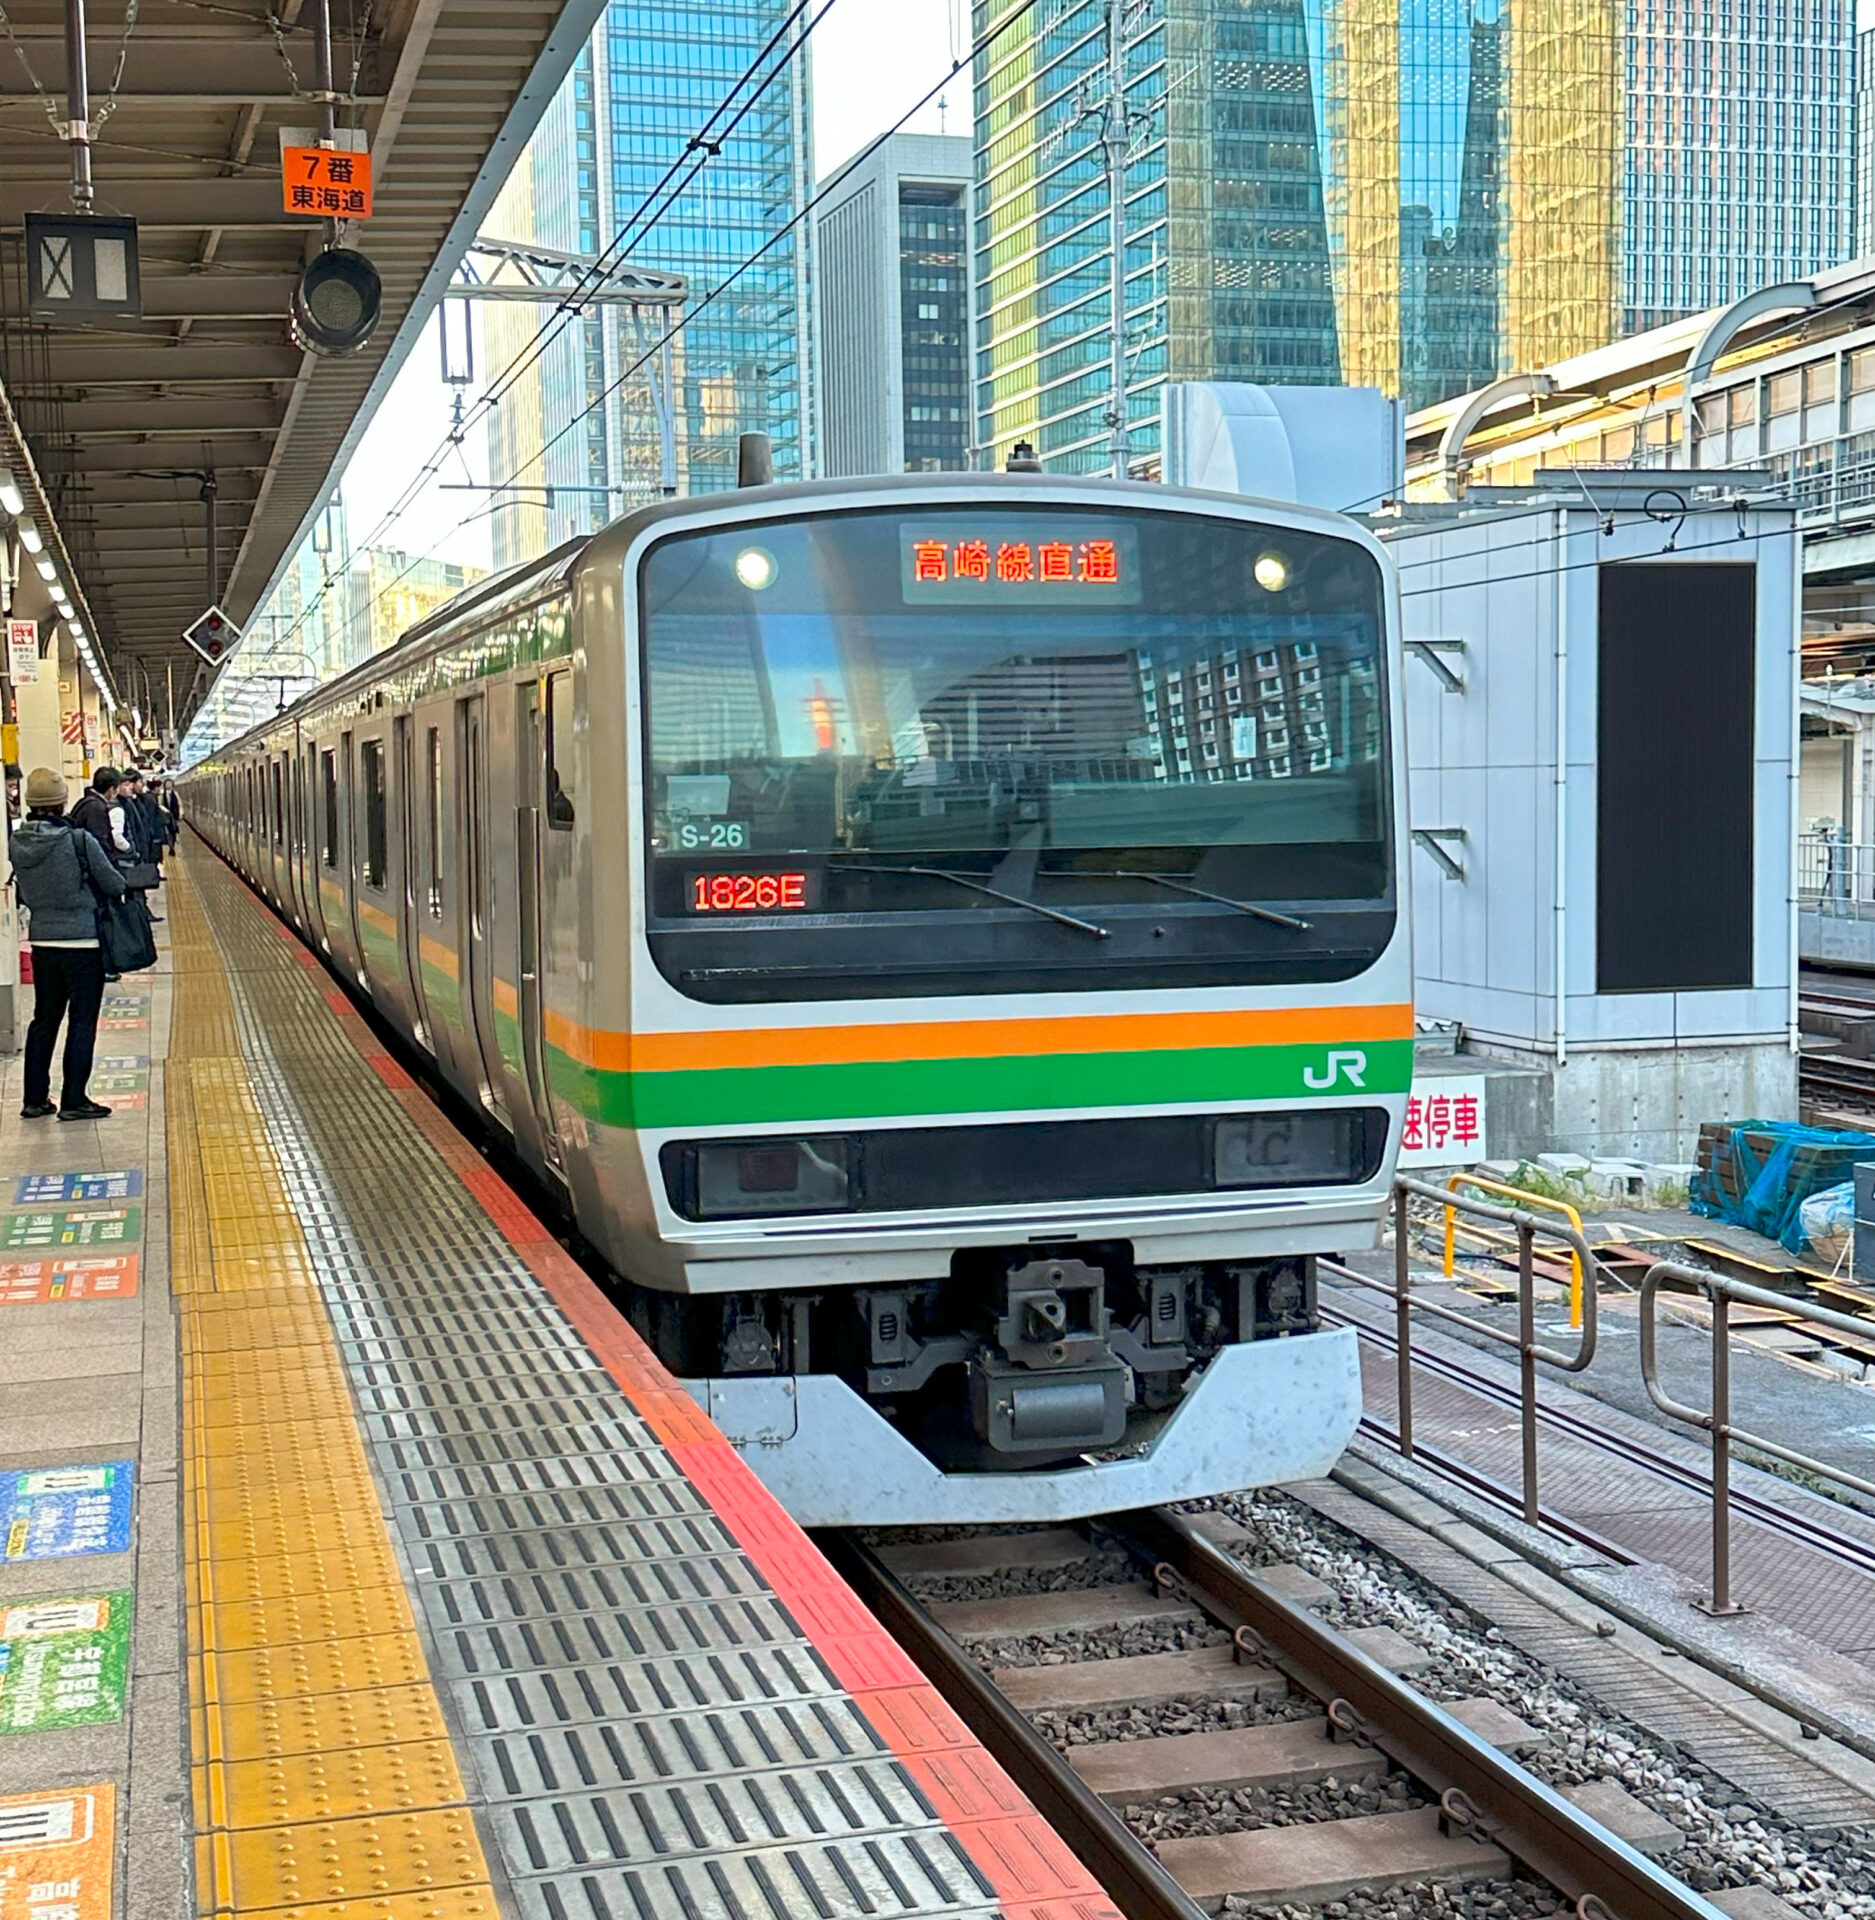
(1602, 679)
(893, 259)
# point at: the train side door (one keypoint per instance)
(478, 900)
(352, 855)
(322, 830)
(409, 913)
(531, 776)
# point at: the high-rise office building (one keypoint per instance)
(579, 433)
(1865, 143)
(1412, 194)
(1741, 150)
(892, 262)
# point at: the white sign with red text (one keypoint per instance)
(23, 652)
(1444, 1121)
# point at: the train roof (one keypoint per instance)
(533, 579)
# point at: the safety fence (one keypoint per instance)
(1527, 1215)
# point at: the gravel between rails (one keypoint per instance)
(1424, 1900)
(1092, 1726)
(1730, 1841)
(1184, 1816)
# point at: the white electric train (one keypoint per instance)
(944, 939)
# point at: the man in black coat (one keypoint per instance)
(93, 813)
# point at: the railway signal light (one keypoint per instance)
(337, 301)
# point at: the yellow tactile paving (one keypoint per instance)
(324, 1784)
(256, 1869)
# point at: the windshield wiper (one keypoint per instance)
(1166, 880)
(977, 886)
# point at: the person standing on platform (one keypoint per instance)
(98, 813)
(61, 872)
(172, 801)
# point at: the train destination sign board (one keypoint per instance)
(1019, 560)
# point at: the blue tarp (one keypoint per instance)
(1778, 1164)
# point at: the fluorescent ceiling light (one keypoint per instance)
(10, 495)
(47, 571)
(29, 537)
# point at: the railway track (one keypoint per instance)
(1199, 1679)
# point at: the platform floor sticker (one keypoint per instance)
(68, 1276)
(120, 1023)
(50, 1513)
(56, 1850)
(122, 1102)
(63, 1662)
(48, 1189)
(124, 1080)
(118, 1063)
(72, 1227)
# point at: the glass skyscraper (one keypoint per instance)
(647, 84)
(1418, 195)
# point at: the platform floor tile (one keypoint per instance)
(643, 1724)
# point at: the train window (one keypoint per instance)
(371, 771)
(279, 808)
(433, 837)
(561, 786)
(329, 808)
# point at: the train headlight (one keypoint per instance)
(737, 1178)
(755, 568)
(1271, 572)
(1290, 1149)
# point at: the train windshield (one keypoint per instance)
(951, 685)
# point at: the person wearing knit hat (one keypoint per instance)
(60, 872)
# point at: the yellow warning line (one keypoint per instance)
(323, 1777)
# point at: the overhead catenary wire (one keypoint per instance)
(981, 45)
(705, 144)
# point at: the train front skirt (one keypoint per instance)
(1261, 1413)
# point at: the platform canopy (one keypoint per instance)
(124, 418)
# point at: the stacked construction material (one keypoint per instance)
(1758, 1174)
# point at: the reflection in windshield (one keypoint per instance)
(829, 712)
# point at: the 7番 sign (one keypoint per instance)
(326, 182)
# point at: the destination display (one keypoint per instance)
(732, 892)
(1019, 560)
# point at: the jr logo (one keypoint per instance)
(1350, 1061)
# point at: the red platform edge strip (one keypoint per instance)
(1028, 1867)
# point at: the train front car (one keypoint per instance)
(1019, 984)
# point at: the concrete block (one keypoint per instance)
(1567, 1166)
(1611, 1805)
(1753, 1903)
(1496, 1725)
(1389, 1649)
(986, 1553)
(1220, 1529)
(1093, 1610)
(1284, 1755)
(1475, 1544)
(1309, 1865)
(1198, 1673)
(1295, 1584)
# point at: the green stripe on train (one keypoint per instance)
(755, 1096)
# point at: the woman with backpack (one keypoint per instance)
(61, 873)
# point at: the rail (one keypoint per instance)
(1478, 1788)
(1716, 1420)
(1574, 1218)
(1099, 1838)
(1531, 1352)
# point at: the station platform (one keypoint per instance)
(361, 1563)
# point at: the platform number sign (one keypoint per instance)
(326, 183)
(212, 635)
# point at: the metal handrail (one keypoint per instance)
(1563, 1207)
(1530, 1351)
(1716, 1420)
